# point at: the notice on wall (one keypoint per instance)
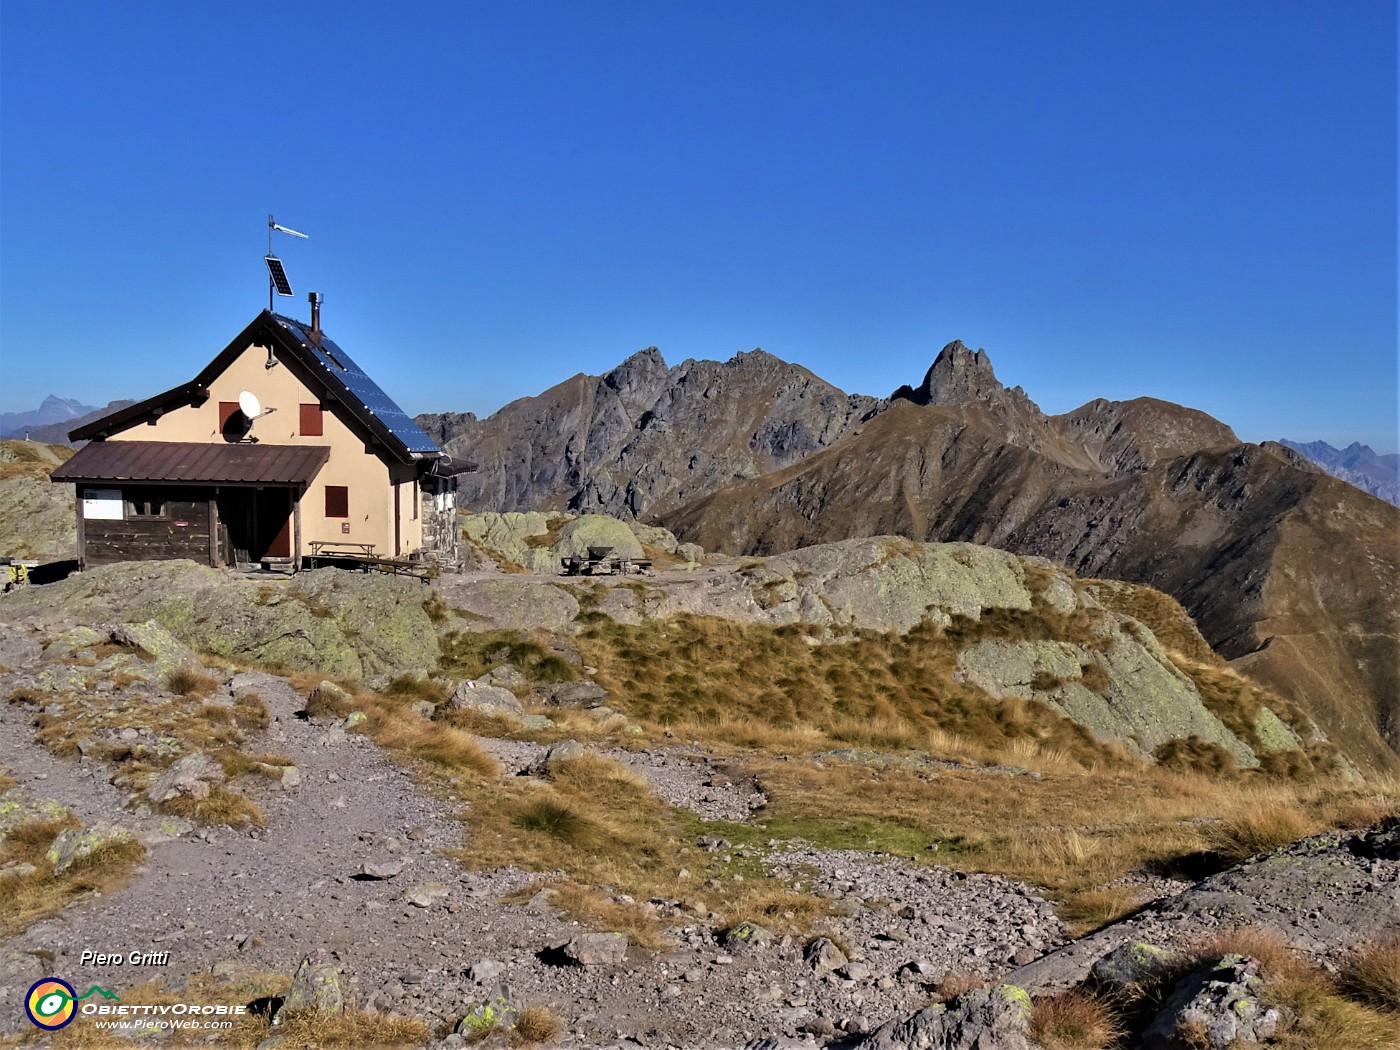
(103, 505)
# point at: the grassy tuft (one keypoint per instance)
(560, 821)
(1075, 1020)
(351, 1030)
(188, 682)
(1372, 975)
(1194, 755)
(470, 654)
(221, 807)
(1094, 909)
(535, 1024)
(443, 746)
(1253, 831)
(28, 898)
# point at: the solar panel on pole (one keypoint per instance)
(278, 274)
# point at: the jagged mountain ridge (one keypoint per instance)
(1357, 464)
(646, 437)
(1288, 571)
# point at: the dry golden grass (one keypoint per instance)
(222, 806)
(188, 682)
(535, 1024)
(597, 910)
(767, 687)
(1277, 961)
(237, 764)
(1323, 1019)
(1075, 1020)
(27, 899)
(1372, 975)
(470, 654)
(446, 748)
(1072, 833)
(957, 982)
(1091, 910)
(1260, 830)
(352, 1029)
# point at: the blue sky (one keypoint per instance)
(1192, 201)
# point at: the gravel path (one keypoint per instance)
(268, 898)
(681, 776)
(265, 899)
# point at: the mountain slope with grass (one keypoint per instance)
(1287, 571)
(512, 808)
(36, 516)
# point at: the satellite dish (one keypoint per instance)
(249, 405)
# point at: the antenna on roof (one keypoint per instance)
(277, 281)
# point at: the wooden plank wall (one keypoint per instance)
(151, 539)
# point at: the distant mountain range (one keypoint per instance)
(52, 420)
(54, 409)
(1358, 464)
(1287, 571)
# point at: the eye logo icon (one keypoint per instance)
(51, 1003)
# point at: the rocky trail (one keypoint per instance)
(425, 938)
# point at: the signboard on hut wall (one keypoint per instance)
(103, 505)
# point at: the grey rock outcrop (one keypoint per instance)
(1322, 895)
(315, 986)
(190, 775)
(335, 622)
(1217, 1007)
(486, 699)
(985, 1019)
(76, 844)
(596, 949)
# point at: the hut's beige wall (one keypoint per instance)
(374, 485)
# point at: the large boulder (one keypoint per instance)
(597, 530)
(487, 700)
(77, 844)
(336, 622)
(18, 809)
(596, 949)
(315, 986)
(1216, 1007)
(191, 776)
(165, 649)
(984, 1019)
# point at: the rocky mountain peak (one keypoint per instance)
(959, 376)
(639, 379)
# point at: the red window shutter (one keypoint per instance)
(226, 411)
(311, 423)
(337, 501)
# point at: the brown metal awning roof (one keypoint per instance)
(188, 462)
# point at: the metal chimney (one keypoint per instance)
(315, 298)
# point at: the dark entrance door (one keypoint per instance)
(258, 522)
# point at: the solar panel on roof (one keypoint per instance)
(278, 274)
(342, 367)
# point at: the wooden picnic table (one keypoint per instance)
(611, 565)
(344, 555)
